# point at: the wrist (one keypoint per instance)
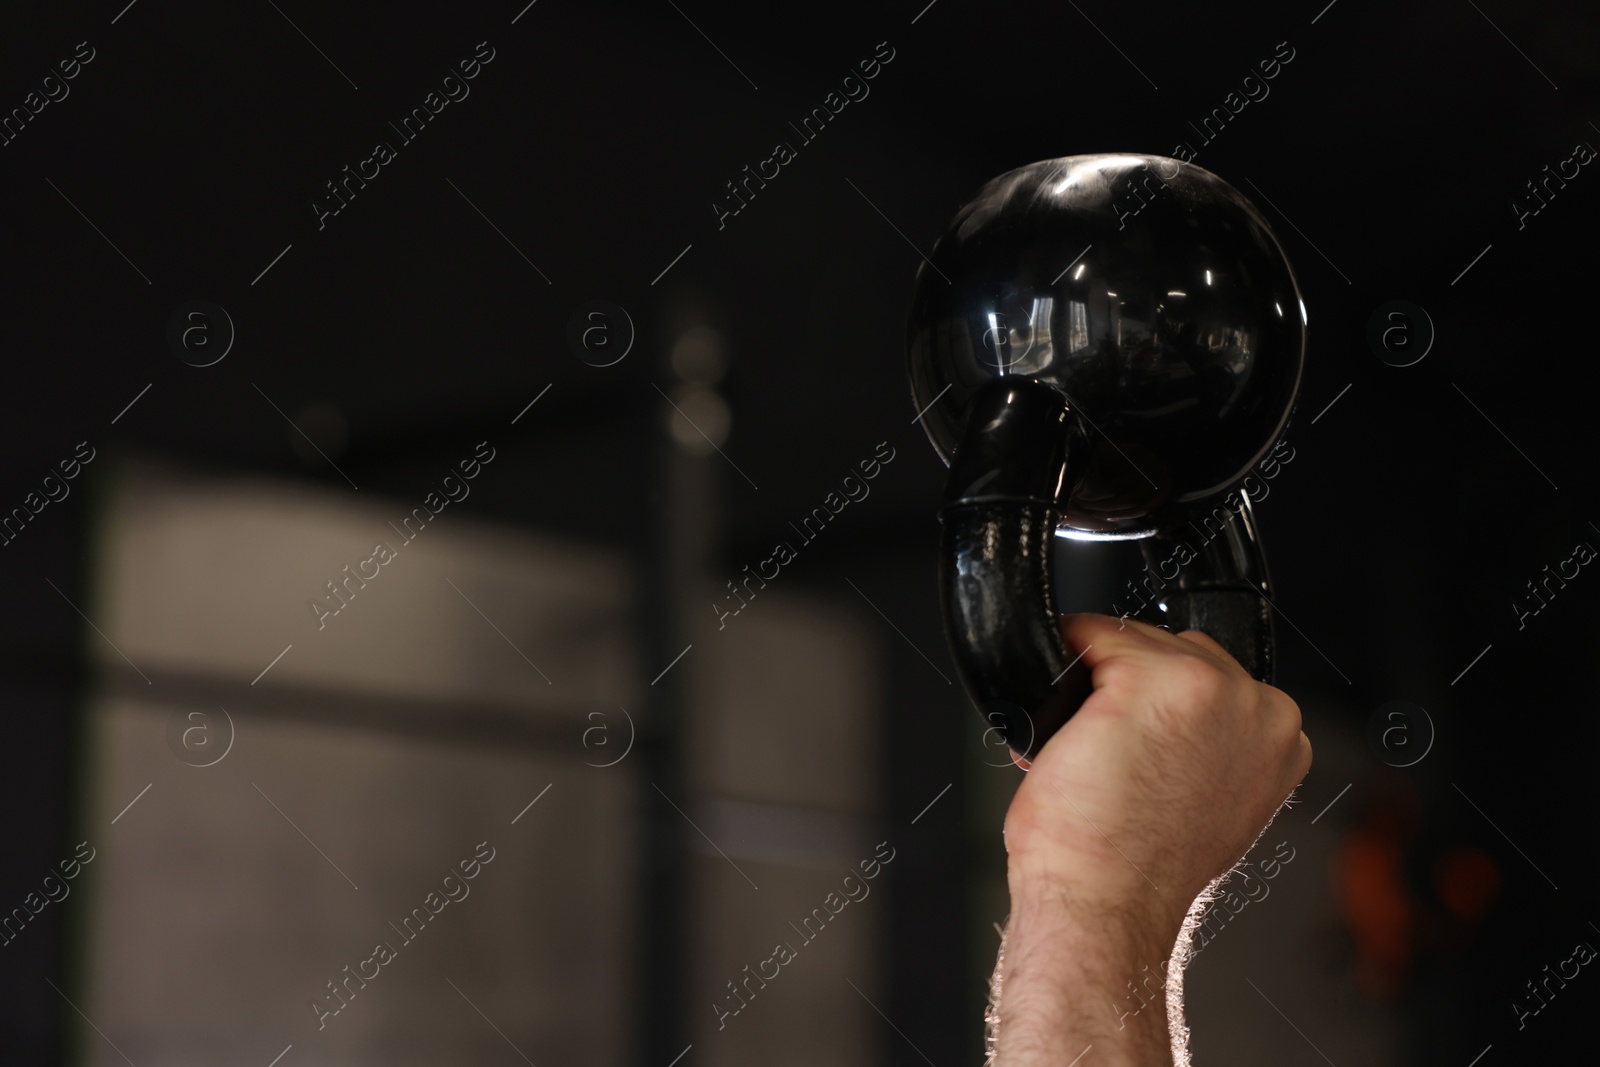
(1105, 933)
(1085, 968)
(1122, 902)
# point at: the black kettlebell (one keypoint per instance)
(1102, 347)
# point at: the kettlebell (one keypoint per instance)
(1101, 347)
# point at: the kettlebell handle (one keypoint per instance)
(1012, 473)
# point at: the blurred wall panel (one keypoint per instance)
(217, 578)
(354, 784)
(783, 753)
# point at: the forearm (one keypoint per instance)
(1079, 972)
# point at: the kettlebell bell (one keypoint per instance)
(1101, 347)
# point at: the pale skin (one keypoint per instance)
(1126, 819)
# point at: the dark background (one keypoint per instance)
(596, 141)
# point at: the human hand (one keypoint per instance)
(1166, 774)
(1157, 785)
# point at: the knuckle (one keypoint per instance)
(1205, 679)
(1287, 722)
(1119, 673)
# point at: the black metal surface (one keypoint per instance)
(1149, 292)
(1000, 517)
(1221, 588)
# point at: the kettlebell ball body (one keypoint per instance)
(1102, 347)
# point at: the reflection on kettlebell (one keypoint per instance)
(1097, 375)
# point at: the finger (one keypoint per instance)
(1020, 760)
(1122, 651)
(1295, 766)
(1303, 758)
(1101, 638)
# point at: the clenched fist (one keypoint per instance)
(1153, 790)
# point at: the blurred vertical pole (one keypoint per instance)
(43, 676)
(931, 977)
(677, 546)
